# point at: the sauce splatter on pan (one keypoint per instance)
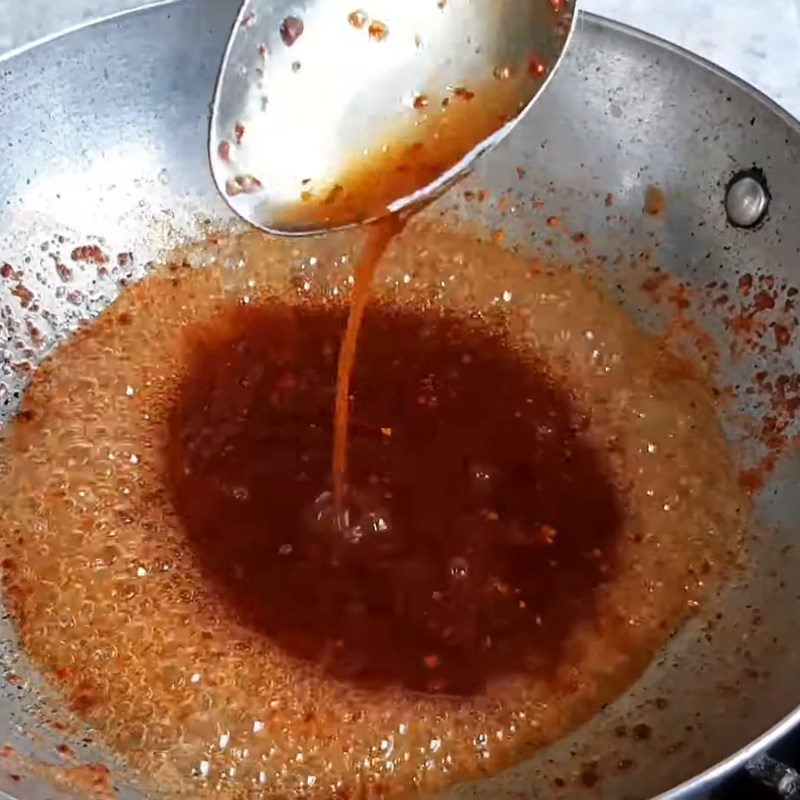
(541, 491)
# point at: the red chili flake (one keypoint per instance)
(64, 272)
(249, 20)
(420, 101)
(24, 294)
(537, 68)
(463, 93)
(232, 188)
(655, 282)
(238, 130)
(358, 19)
(6, 271)
(90, 252)
(378, 31)
(224, 151)
(291, 30)
(763, 301)
(783, 336)
(242, 184)
(432, 661)
(746, 284)
(557, 5)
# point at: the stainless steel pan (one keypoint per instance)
(103, 139)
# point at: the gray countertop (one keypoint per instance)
(759, 41)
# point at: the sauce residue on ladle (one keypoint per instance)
(299, 147)
(417, 154)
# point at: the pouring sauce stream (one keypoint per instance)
(380, 236)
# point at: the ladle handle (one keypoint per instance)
(770, 772)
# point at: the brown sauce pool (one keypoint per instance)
(465, 556)
(537, 494)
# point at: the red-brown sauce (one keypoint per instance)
(479, 522)
(379, 238)
(537, 493)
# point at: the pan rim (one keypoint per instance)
(584, 18)
(601, 22)
(49, 38)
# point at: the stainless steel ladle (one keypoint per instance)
(331, 113)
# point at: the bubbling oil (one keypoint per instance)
(539, 494)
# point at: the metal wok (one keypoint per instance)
(103, 134)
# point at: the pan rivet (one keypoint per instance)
(747, 199)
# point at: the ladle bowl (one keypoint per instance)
(329, 114)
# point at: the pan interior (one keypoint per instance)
(126, 173)
(507, 566)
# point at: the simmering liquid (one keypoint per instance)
(537, 494)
